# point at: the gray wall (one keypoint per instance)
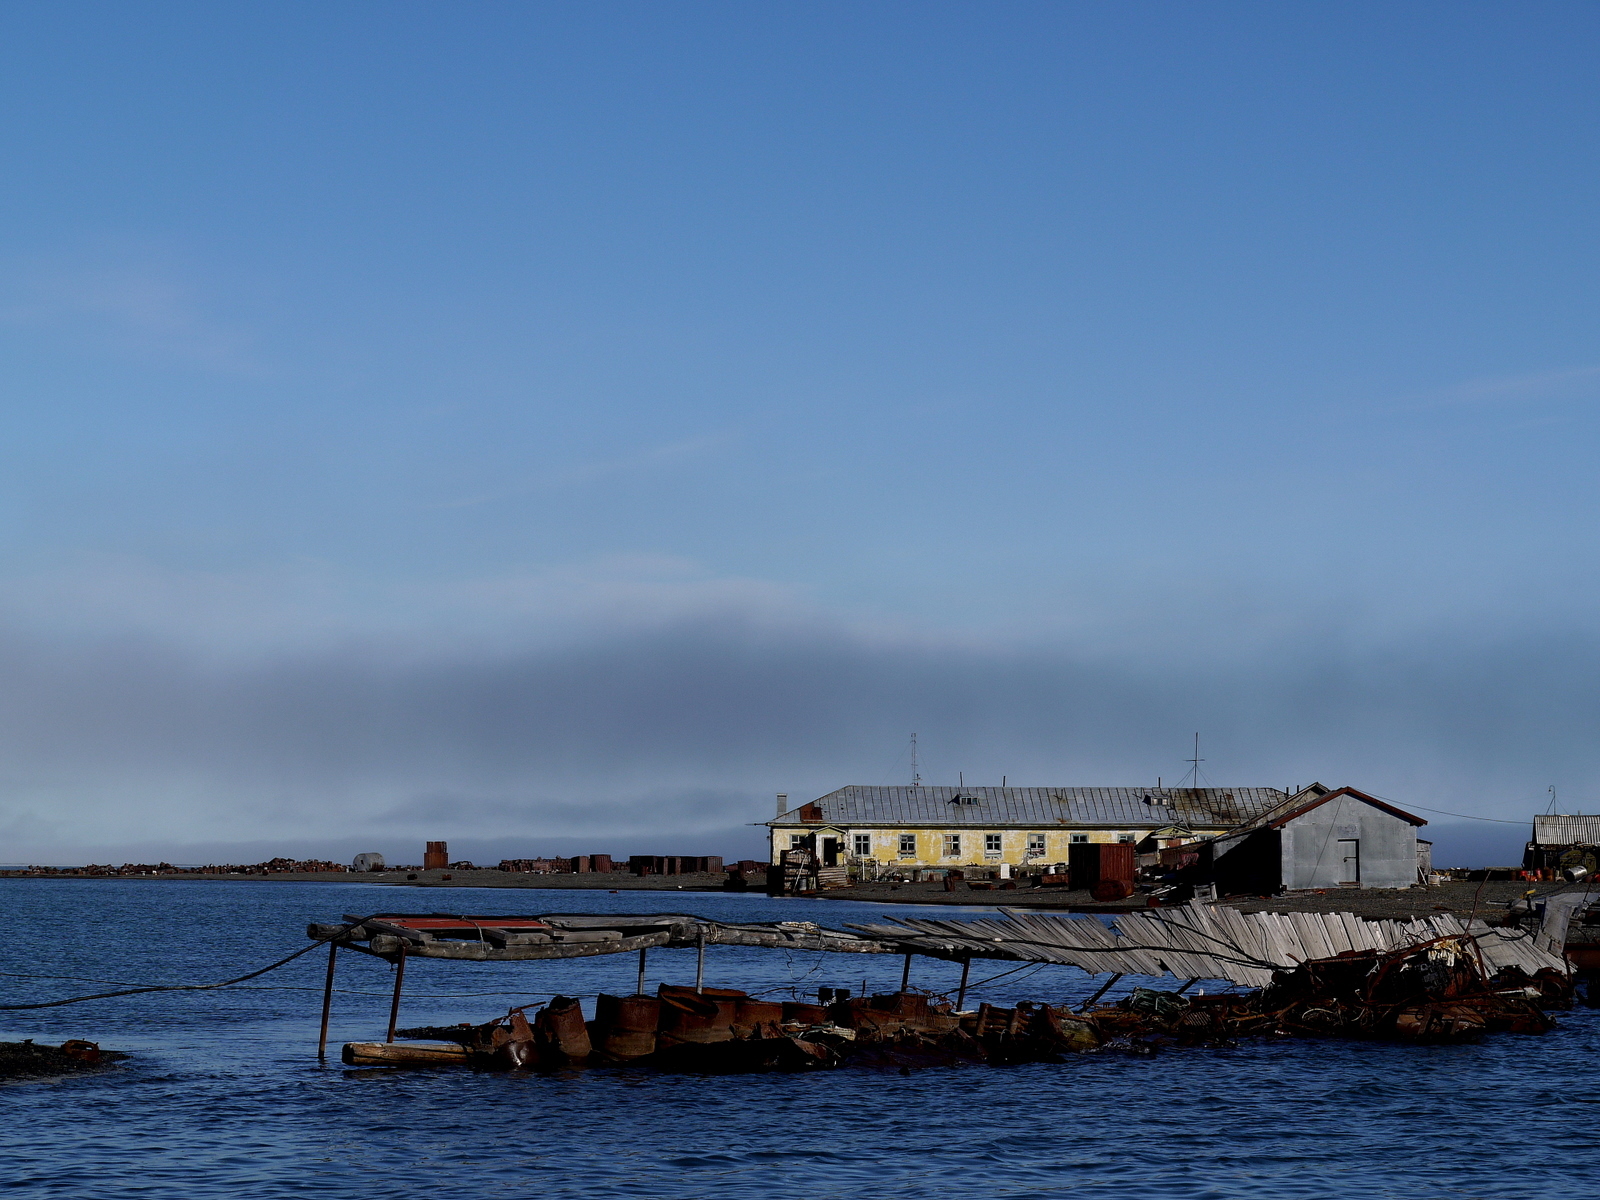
(1312, 856)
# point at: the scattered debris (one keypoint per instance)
(1435, 992)
(28, 1060)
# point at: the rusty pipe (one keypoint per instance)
(399, 979)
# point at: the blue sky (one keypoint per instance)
(773, 379)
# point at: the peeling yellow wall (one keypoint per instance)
(930, 844)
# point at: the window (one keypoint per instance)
(863, 844)
(991, 843)
(796, 840)
(1036, 844)
(952, 845)
(908, 845)
(1126, 838)
(1078, 839)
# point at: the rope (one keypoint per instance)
(188, 987)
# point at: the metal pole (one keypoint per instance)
(700, 961)
(905, 975)
(399, 978)
(961, 996)
(327, 1002)
(1101, 992)
(1187, 986)
(639, 991)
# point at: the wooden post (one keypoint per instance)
(1187, 986)
(639, 991)
(961, 996)
(327, 1002)
(905, 975)
(1106, 988)
(399, 978)
(700, 962)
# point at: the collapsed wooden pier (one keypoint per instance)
(1332, 975)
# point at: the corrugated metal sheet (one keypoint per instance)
(1042, 807)
(1566, 831)
(1202, 942)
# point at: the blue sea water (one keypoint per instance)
(224, 1096)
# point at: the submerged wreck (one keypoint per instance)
(31, 1060)
(1434, 980)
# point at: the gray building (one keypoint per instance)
(1317, 838)
(1564, 842)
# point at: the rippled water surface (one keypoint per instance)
(224, 1096)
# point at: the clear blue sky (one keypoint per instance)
(776, 378)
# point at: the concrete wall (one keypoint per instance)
(1313, 857)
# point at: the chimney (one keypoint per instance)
(437, 855)
(783, 803)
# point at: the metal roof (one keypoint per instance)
(1210, 941)
(1303, 801)
(1566, 831)
(1117, 807)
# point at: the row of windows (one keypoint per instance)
(861, 843)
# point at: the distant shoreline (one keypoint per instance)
(1459, 896)
(604, 881)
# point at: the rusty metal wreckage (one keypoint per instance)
(1310, 975)
(1435, 979)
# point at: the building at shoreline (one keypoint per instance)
(1318, 838)
(911, 827)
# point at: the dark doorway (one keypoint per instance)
(1350, 866)
(830, 852)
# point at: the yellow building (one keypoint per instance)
(910, 827)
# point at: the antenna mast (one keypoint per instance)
(1194, 770)
(916, 779)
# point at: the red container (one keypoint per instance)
(1091, 862)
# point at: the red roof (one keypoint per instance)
(1275, 821)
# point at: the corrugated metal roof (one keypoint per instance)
(1117, 807)
(1207, 942)
(1566, 831)
(1304, 801)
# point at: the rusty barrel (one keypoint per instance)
(804, 1014)
(751, 1013)
(560, 1027)
(625, 1026)
(905, 1005)
(697, 1017)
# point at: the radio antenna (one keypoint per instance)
(916, 779)
(1194, 769)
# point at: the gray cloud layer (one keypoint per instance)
(679, 733)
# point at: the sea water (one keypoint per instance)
(224, 1096)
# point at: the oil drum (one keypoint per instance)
(698, 1017)
(804, 1014)
(625, 1026)
(752, 1013)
